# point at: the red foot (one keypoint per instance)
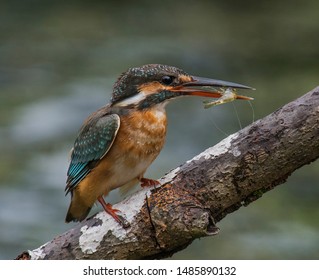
(111, 211)
(149, 183)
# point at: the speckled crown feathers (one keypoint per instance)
(127, 83)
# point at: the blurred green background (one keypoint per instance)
(58, 63)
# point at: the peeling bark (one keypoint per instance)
(194, 196)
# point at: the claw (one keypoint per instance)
(111, 211)
(145, 182)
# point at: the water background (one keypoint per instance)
(58, 63)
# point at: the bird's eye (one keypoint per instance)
(167, 80)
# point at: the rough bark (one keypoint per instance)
(202, 191)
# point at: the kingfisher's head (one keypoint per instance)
(152, 84)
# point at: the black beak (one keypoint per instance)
(209, 88)
(202, 82)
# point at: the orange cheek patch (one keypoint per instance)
(185, 78)
(155, 86)
(151, 87)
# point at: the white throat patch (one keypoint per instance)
(133, 100)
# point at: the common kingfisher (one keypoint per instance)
(118, 142)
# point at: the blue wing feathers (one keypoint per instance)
(93, 142)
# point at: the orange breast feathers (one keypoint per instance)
(139, 140)
(143, 132)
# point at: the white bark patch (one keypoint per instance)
(38, 254)
(236, 152)
(92, 236)
(169, 176)
(219, 149)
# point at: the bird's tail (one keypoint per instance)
(78, 210)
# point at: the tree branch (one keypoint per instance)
(202, 191)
